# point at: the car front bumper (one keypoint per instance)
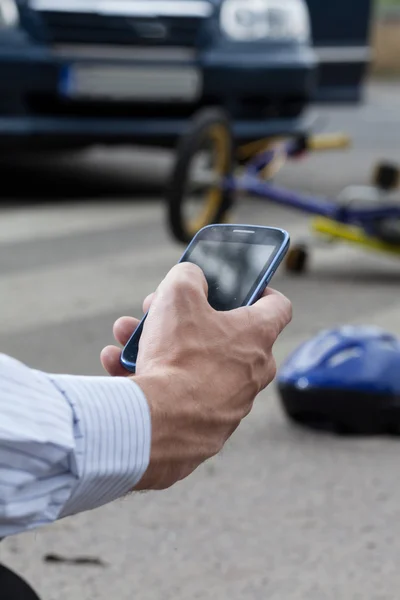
(263, 92)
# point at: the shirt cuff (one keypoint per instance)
(112, 430)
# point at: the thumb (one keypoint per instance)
(185, 281)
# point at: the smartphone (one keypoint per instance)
(238, 262)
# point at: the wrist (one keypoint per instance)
(154, 388)
(169, 446)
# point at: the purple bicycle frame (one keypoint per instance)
(251, 183)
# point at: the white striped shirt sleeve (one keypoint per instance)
(67, 444)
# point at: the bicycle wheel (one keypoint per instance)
(197, 194)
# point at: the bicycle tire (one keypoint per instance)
(213, 124)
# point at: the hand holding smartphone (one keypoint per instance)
(238, 262)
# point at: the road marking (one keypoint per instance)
(73, 291)
(46, 296)
(92, 287)
(43, 222)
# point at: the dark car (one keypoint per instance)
(341, 39)
(79, 72)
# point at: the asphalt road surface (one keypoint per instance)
(283, 514)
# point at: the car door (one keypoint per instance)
(341, 36)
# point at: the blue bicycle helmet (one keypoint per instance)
(345, 380)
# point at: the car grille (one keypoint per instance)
(81, 28)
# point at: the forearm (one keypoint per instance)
(67, 444)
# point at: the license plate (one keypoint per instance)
(116, 83)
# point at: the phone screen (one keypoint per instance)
(232, 269)
(235, 263)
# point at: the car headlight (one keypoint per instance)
(9, 15)
(252, 20)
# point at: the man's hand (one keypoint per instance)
(200, 369)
